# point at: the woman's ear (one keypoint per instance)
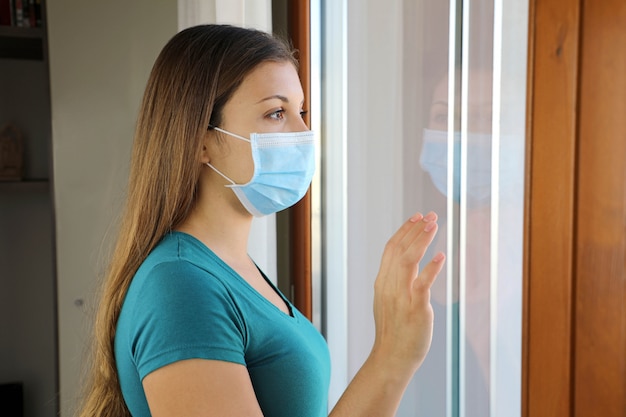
(208, 146)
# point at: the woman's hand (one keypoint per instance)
(402, 309)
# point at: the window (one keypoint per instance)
(435, 116)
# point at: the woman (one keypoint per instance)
(188, 325)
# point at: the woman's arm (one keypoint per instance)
(200, 387)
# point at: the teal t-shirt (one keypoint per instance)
(185, 302)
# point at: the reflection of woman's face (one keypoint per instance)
(479, 104)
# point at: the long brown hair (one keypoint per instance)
(192, 79)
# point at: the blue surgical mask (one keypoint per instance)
(434, 158)
(284, 164)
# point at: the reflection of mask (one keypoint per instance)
(434, 160)
(284, 164)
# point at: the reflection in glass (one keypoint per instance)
(470, 157)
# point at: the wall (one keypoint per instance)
(27, 338)
(27, 290)
(100, 57)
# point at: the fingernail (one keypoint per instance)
(430, 226)
(416, 217)
(430, 217)
(439, 257)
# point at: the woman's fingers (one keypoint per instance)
(429, 273)
(412, 247)
(415, 242)
(399, 277)
(394, 242)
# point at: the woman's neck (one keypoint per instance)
(222, 225)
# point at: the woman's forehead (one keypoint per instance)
(271, 80)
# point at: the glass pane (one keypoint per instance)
(468, 165)
(475, 201)
(434, 389)
(510, 37)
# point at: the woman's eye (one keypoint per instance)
(440, 118)
(277, 115)
(303, 113)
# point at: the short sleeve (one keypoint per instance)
(179, 311)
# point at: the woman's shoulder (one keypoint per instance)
(179, 264)
(179, 253)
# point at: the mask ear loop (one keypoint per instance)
(211, 127)
(229, 133)
(218, 171)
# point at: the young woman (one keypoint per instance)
(188, 325)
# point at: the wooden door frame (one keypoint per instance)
(599, 367)
(554, 31)
(575, 283)
(300, 215)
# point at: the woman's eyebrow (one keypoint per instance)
(279, 97)
(275, 96)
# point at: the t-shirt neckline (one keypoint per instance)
(292, 310)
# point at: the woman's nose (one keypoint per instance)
(297, 125)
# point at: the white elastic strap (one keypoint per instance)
(218, 171)
(231, 134)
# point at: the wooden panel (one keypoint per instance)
(300, 214)
(552, 104)
(600, 365)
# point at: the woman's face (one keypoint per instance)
(269, 99)
(479, 103)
